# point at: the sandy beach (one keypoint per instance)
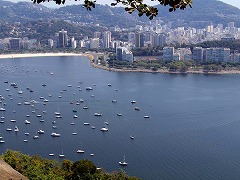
(4, 56)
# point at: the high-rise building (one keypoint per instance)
(197, 55)
(106, 37)
(131, 37)
(63, 39)
(50, 43)
(14, 43)
(218, 54)
(123, 54)
(139, 40)
(158, 40)
(97, 34)
(168, 53)
(94, 43)
(73, 43)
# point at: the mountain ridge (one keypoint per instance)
(214, 11)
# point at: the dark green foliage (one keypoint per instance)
(37, 168)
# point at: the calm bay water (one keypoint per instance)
(192, 133)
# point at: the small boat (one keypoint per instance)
(81, 100)
(146, 116)
(61, 155)
(137, 108)
(27, 122)
(74, 133)
(93, 127)
(106, 122)
(54, 127)
(13, 120)
(86, 123)
(8, 129)
(36, 137)
(119, 114)
(51, 154)
(58, 116)
(133, 102)
(16, 129)
(25, 140)
(2, 109)
(26, 103)
(74, 110)
(75, 116)
(41, 120)
(54, 122)
(2, 140)
(55, 134)
(89, 88)
(85, 107)
(104, 129)
(57, 113)
(123, 162)
(72, 123)
(39, 115)
(40, 131)
(97, 114)
(44, 85)
(20, 92)
(1, 121)
(80, 151)
(92, 154)
(41, 97)
(114, 101)
(27, 134)
(131, 137)
(27, 115)
(109, 84)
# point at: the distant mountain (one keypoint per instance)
(211, 11)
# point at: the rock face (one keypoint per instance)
(8, 173)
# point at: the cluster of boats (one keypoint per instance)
(57, 115)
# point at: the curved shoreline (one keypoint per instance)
(162, 71)
(91, 58)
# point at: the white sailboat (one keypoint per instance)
(123, 162)
(16, 129)
(61, 155)
(2, 140)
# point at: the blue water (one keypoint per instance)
(192, 133)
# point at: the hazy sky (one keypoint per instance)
(69, 2)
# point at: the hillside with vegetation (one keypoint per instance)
(36, 167)
(211, 11)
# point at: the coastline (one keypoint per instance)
(91, 58)
(4, 56)
(163, 71)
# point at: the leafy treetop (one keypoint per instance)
(135, 5)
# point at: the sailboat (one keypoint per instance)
(1, 108)
(1, 140)
(86, 106)
(16, 129)
(61, 155)
(123, 162)
(80, 151)
(104, 129)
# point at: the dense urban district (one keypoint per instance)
(161, 45)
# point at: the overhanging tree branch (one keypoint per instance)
(134, 5)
